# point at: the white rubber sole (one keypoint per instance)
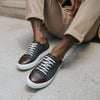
(39, 85)
(33, 64)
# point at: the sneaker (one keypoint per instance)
(33, 55)
(44, 72)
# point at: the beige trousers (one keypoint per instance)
(58, 21)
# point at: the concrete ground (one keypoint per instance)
(79, 78)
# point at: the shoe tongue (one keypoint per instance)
(52, 57)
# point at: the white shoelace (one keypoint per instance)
(46, 64)
(31, 48)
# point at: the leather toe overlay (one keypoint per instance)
(36, 77)
(25, 60)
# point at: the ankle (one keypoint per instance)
(70, 39)
(41, 40)
(58, 55)
(60, 50)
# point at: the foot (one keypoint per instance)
(34, 53)
(44, 72)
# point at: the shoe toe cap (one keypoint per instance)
(25, 60)
(36, 77)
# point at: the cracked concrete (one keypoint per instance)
(79, 78)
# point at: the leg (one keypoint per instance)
(79, 24)
(35, 15)
(60, 50)
(38, 30)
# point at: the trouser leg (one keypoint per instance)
(86, 21)
(83, 27)
(34, 9)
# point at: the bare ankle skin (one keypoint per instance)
(38, 30)
(60, 50)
